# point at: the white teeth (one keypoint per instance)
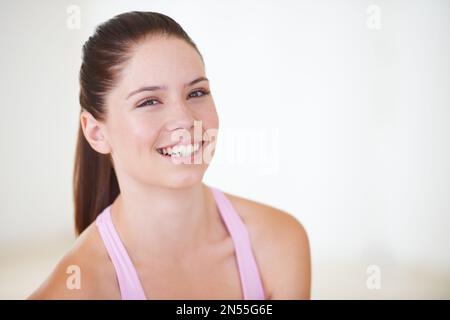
(181, 150)
(196, 146)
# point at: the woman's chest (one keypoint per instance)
(212, 274)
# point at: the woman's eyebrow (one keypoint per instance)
(154, 88)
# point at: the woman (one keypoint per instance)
(148, 227)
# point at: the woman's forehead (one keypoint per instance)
(164, 59)
(163, 62)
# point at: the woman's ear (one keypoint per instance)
(94, 132)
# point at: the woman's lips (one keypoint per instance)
(180, 143)
(159, 150)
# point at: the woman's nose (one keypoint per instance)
(181, 117)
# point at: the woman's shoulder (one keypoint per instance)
(267, 221)
(84, 272)
(281, 247)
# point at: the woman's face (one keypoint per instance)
(142, 119)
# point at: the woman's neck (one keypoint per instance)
(156, 219)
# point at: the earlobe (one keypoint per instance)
(93, 131)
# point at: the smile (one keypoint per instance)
(181, 151)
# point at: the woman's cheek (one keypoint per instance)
(144, 136)
(209, 117)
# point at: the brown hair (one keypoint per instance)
(95, 183)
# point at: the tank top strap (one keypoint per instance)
(129, 284)
(248, 269)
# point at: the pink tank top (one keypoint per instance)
(129, 283)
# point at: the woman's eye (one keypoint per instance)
(198, 93)
(193, 94)
(147, 102)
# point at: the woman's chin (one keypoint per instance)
(173, 180)
(181, 172)
(179, 180)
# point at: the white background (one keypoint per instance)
(353, 120)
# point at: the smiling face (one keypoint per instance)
(162, 90)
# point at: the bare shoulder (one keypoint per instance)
(281, 247)
(84, 272)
